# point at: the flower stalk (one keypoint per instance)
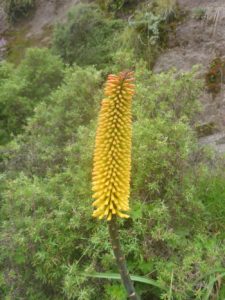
(120, 259)
(112, 164)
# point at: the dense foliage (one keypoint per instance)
(87, 38)
(18, 8)
(38, 74)
(48, 238)
(115, 5)
(90, 37)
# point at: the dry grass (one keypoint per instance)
(166, 7)
(214, 15)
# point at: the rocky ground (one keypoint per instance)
(3, 27)
(48, 13)
(3, 19)
(199, 39)
(45, 15)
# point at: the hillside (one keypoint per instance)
(36, 29)
(198, 40)
(82, 172)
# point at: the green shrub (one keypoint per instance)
(87, 38)
(18, 8)
(42, 71)
(55, 123)
(145, 34)
(147, 30)
(199, 13)
(115, 5)
(6, 70)
(174, 94)
(166, 8)
(211, 191)
(48, 237)
(49, 225)
(21, 89)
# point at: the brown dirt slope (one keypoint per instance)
(48, 13)
(199, 39)
(34, 30)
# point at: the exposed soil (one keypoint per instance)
(35, 30)
(3, 27)
(48, 13)
(199, 39)
(3, 19)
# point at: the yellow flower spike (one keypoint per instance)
(112, 155)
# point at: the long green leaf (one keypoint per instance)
(171, 286)
(116, 276)
(211, 285)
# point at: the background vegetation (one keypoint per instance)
(88, 37)
(17, 9)
(49, 105)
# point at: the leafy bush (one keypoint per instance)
(199, 13)
(115, 5)
(211, 191)
(215, 76)
(21, 89)
(6, 70)
(166, 8)
(55, 123)
(87, 37)
(18, 8)
(162, 115)
(147, 30)
(145, 34)
(48, 237)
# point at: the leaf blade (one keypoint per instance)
(116, 276)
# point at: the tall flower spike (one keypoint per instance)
(112, 155)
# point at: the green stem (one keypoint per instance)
(120, 259)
